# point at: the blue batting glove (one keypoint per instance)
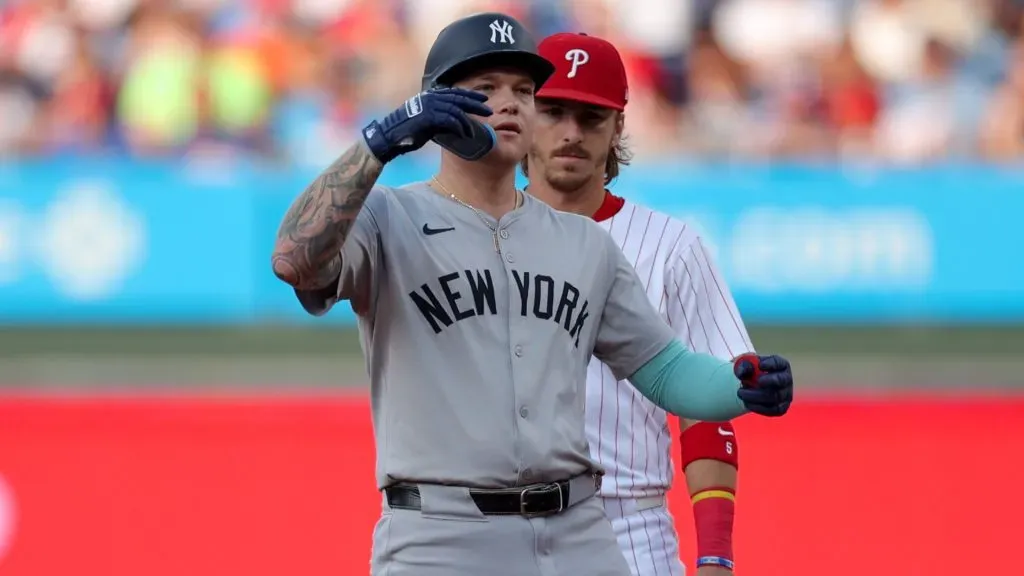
(767, 383)
(425, 115)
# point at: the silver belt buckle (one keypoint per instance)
(546, 488)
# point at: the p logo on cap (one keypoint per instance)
(587, 69)
(578, 57)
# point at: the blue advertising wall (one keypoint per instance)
(116, 242)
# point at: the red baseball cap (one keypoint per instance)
(587, 69)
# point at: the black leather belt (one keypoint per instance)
(529, 501)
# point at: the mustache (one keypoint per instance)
(571, 151)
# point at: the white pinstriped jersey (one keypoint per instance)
(628, 435)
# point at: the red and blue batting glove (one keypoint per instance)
(767, 383)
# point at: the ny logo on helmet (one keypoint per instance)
(578, 58)
(502, 32)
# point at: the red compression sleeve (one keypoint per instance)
(713, 513)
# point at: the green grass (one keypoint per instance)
(844, 358)
(334, 342)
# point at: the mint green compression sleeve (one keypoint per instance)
(689, 384)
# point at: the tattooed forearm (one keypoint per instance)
(308, 250)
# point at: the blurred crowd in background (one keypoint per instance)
(292, 81)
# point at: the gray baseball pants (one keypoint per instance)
(449, 536)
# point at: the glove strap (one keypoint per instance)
(373, 134)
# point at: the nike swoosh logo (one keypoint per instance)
(431, 231)
(725, 432)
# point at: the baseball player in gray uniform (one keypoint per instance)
(479, 309)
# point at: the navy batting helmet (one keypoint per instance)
(476, 42)
(485, 40)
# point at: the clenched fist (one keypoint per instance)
(767, 383)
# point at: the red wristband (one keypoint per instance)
(713, 513)
(709, 441)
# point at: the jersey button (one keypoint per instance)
(503, 234)
(509, 258)
(524, 412)
(518, 351)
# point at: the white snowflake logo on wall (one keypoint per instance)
(90, 241)
(11, 227)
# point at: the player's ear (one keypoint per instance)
(620, 127)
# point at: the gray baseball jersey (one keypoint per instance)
(478, 358)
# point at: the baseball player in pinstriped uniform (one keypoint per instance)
(479, 309)
(576, 154)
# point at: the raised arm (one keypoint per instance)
(307, 254)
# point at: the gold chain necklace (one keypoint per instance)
(479, 214)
